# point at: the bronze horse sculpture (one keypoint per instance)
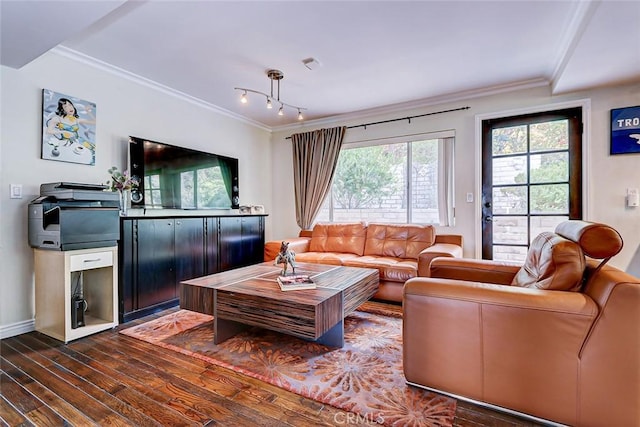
(286, 257)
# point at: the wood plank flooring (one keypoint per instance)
(111, 379)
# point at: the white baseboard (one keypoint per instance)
(7, 331)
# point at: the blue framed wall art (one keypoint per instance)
(625, 130)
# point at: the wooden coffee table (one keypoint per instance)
(250, 296)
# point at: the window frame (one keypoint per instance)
(440, 137)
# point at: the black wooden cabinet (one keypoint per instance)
(156, 254)
(189, 250)
(156, 277)
(241, 241)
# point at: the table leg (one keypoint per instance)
(224, 329)
(334, 337)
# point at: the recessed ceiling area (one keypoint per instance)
(374, 54)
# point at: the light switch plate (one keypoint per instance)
(633, 197)
(15, 191)
(469, 197)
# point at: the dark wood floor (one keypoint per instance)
(111, 379)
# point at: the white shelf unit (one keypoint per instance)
(57, 275)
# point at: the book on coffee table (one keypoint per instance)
(295, 282)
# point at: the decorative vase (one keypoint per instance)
(125, 202)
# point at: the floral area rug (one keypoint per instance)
(364, 377)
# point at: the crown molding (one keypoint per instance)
(127, 75)
(361, 114)
(425, 102)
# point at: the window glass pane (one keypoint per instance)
(509, 140)
(510, 200)
(369, 184)
(551, 167)
(550, 199)
(424, 186)
(509, 170)
(549, 136)
(510, 229)
(510, 254)
(544, 223)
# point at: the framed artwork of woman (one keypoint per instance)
(68, 128)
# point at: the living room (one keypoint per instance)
(128, 105)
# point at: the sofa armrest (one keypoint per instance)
(474, 270)
(453, 239)
(297, 245)
(425, 257)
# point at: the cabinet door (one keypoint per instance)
(156, 273)
(252, 240)
(211, 246)
(230, 244)
(189, 249)
(126, 283)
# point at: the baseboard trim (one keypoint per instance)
(492, 407)
(8, 331)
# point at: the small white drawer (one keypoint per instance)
(89, 261)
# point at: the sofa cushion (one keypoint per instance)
(398, 240)
(391, 269)
(553, 263)
(333, 258)
(346, 238)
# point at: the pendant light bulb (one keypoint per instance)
(300, 117)
(281, 111)
(269, 105)
(243, 97)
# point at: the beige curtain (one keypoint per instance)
(315, 156)
(445, 182)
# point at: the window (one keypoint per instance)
(402, 182)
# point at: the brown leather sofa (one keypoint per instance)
(558, 339)
(398, 251)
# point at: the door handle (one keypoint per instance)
(488, 218)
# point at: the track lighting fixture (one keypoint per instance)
(274, 75)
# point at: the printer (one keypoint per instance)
(70, 216)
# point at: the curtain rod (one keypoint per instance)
(408, 118)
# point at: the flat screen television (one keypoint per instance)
(174, 177)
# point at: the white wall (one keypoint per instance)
(606, 177)
(123, 108)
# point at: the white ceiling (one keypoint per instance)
(374, 54)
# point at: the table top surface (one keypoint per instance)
(260, 279)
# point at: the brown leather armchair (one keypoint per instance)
(557, 339)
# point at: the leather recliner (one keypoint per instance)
(556, 339)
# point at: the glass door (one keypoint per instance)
(531, 179)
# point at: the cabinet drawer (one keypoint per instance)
(89, 261)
